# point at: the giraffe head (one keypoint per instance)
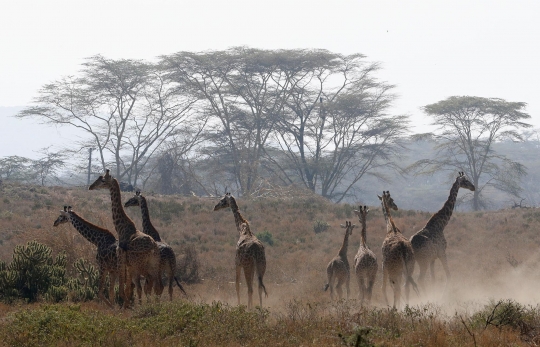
(388, 200)
(224, 202)
(464, 182)
(63, 217)
(348, 226)
(362, 212)
(134, 201)
(103, 182)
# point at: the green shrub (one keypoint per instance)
(266, 237)
(33, 272)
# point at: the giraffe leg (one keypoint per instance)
(128, 288)
(237, 282)
(170, 277)
(444, 262)
(112, 281)
(338, 287)
(348, 285)
(248, 274)
(260, 269)
(432, 272)
(361, 288)
(422, 277)
(122, 278)
(331, 280)
(396, 285)
(369, 289)
(385, 278)
(101, 287)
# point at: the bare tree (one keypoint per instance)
(467, 129)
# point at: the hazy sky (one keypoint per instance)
(430, 50)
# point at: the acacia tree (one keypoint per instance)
(124, 107)
(335, 128)
(244, 90)
(45, 168)
(467, 129)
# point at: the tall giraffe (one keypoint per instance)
(138, 253)
(338, 269)
(365, 261)
(429, 243)
(250, 254)
(167, 258)
(398, 256)
(106, 248)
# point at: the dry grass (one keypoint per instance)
(479, 246)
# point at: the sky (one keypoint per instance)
(430, 50)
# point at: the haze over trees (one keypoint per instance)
(245, 119)
(467, 129)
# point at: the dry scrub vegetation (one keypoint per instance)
(491, 300)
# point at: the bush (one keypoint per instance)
(187, 269)
(33, 272)
(266, 237)
(320, 226)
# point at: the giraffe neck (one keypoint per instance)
(390, 225)
(123, 224)
(385, 214)
(345, 245)
(439, 220)
(148, 228)
(363, 234)
(242, 225)
(98, 236)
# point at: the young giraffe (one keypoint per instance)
(429, 244)
(398, 256)
(138, 253)
(167, 258)
(338, 268)
(106, 248)
(365, 261)
(249, 252)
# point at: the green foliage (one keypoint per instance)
(505, 313)
(33, 272)
(320, 226)
(266, 237)
(86, 285)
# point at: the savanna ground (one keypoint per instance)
(492, 299)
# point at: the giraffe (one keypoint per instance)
(250, 254)
(138, 253)
(106, 248)
(338, 269)
(365, 261)
(398, 256)
(167, 258)
(429, 244)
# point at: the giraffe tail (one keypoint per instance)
(261, 284)
(180, 286)
(326, 286)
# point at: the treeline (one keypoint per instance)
(234, 118)
(246, 120)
